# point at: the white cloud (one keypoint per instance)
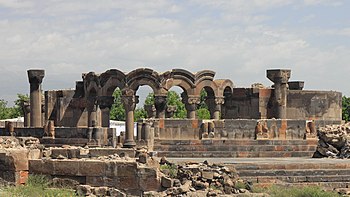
(233, 38)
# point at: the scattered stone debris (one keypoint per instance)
(333, 141)
(200, 179)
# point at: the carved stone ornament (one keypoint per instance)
(130, 102)
(36, 76)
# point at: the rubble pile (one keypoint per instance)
(200, 179)
(87, 190)
(333, 141)
(19, 142)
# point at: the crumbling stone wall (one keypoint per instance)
(14, 156)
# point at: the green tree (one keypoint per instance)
(19, 102)
(346, 108)
(117, 111)
(202, 110)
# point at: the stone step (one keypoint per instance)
(244, 142)
(324, 185)
(234, 147)
(49, 142)
(297, 179)
(190, 154)
(297, 172)
(290, 166)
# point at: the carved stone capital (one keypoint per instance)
(278, 76)
(105, 101)
(150, 110)
(219, 100)
(36, 76)
(193, 100)
(130, 102)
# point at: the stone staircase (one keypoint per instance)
(234, 148)
(326, 173)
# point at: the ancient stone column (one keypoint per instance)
(92, 111)
(26, 112)
(160, 104)
(191, 103)
(214, 105)
(129, 103)
(105, 103)
(280, 79)
(35, 79)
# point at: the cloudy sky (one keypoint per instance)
(239, 39)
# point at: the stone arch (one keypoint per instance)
(181, 78)
(224, 85)
(144, 76)
(110, 80)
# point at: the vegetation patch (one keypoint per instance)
(37, 185)
(284, 191)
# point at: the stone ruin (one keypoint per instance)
(77, 145)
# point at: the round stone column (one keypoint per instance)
(280, 79)
(129, 103)
(191, 103)
(105, 103)
(35, 79)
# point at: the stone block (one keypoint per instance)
(101, 191)
(127, 169)
(66, 167)
(91, 168)
(38, 166)
(148, 179)
(166, 182)
(207, 174)
(127, 183)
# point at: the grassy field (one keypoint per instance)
(309, 191)
(36, 186)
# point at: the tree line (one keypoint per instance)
(118, 113)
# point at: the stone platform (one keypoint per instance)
(235, 148)
(326, 173)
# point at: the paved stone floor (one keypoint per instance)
(263, 160)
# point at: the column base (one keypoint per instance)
(129, 144)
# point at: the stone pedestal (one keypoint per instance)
(280, 79)
(129, 103)
(160, 104)
(35, 79)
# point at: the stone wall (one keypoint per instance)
(66, 108)
(231, 129)
(314, 105)
(14, 156)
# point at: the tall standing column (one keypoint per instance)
(129, 103)
(160, 104)
(105, 103)
(35, 79)
(280, 79)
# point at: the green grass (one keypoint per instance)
(37, 186)
(307, 191)
(172, 169)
